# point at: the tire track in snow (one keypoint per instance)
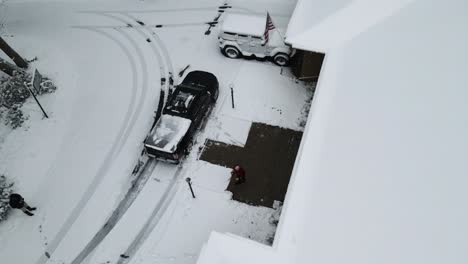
(253, 12)
(202, 23)
(226, 6)
(164, 51)
(153, 220)
(195, 9)
(167, 68)
(144, 93)
(132, 23)
(120, 210)
(145, 73)
(132, 193)
(163, 69)
(122, 137)
(169, 10)
(163, 55)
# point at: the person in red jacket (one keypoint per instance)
(239, 174)
(17, 202)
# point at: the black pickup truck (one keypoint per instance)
(182, 115)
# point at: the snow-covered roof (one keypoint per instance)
(244, 24)
(322, 25)
(167, 133)
(381, 173)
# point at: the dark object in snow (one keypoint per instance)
(17, 202)
(184, 113)
(232, 95)
(239, 174)
(129, 25)
(32, 60)
(214, 22)
(270, 239)
(47, 254)
(189, 181)
(171, 79)
(225, 6)
(124, 256)
(148, 40)
(181, 73)
(217, 18)
(137, 167)
(158, 26)
(39, 104)
(140, 22)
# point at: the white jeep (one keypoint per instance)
(244, 35)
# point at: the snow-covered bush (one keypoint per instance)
(306, 108)
(274, 220)
(5, 191)
(13, 94)
(12, 89)
(14, 117)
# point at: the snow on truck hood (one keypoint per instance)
(167, 133)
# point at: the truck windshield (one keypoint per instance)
(181, 102)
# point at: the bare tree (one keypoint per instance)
(19, 61)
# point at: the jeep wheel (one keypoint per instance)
(281, 59)
(231, 52)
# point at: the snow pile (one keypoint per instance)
(5, 191)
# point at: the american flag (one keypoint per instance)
(269, 26)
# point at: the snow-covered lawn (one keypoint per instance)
(76, 166)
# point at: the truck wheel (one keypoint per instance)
(231, 52)
(281, 59)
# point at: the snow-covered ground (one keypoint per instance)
(76, 166)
